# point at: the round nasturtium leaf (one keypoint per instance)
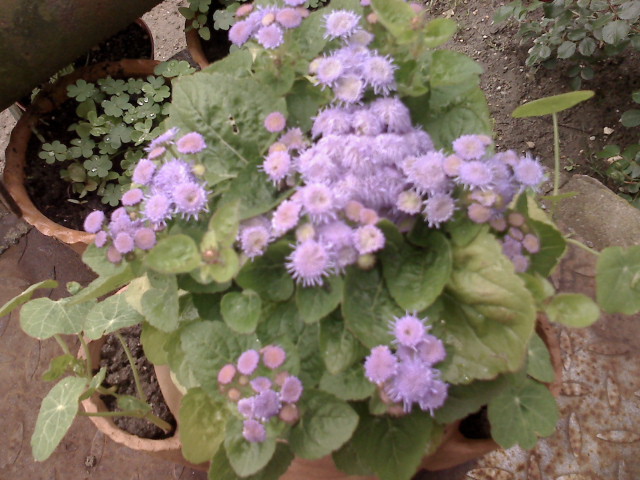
(553, 104)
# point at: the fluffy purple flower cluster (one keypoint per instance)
(267, 24)
(164, 187)
(407, 375)
(519, 241)
(261, 390)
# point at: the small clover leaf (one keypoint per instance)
(52, 152)
(112, 86)
(117, 105)
(222, 19)
(118, 135)
(81, 90)
(83, 147)
(112, 194)
(152, 84)
(134, 85)
(173, 68)
(161, 93)
(106, 148)
(98, 166)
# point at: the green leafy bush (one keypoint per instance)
(578, 31)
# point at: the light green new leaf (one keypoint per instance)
(489, 315)
(246, 458)
(174, 254)
(415, 276)
(394, 446)
(539, 364)
(315, 303)
(524, 410)
(25, 296)
(200, 418)
(110, 315)
(572, 309)
(618, 280)
(42, 318)
(221, 469)
(552, 104)
(160, 302)
(241, 310)
(439, 31)
(367, 306)
(225, 223)
(153, 342)
(326, 424)
(396, 16)
(56, 415)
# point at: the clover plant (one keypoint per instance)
(578, 31)
(330, 254)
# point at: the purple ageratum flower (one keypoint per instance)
(253, 431)
(408, 331)
(123, 242)
(277, 165)
(100, 239)
(368, 239)
(172, 173)
(144, 238)
(439, 208)
(270, 36)
(289, 17)
(470, 147)
(412, 381)
(285, 217)
(156, 152)
(246, 407)
(349, 89)
(409, 202)
(240, 32)
(113, 255)
(254, 240)
(266, 404)
(451, 165)
(360, 38)
(528, 172)
(365, 122)
(309, 263)
(192, 142)
(431, 350)
(329, 69)
(157, 208)
(248, 362)
(94, 221)
(426, 173)
(244, 10)
(393, 113)
(509, 157)
(479, 213)
(143, 173)
(275, 122)
(511, 247)
(226, 374)
(340, 23)
(520, 263)
(163, 139)
(434, 396)
(294, 3)
(189, 198)
(291, 389)
(475, 174)
(380, 365)
(335, 234)
(531, 243)
(293, 139)
(273, 356)
(378, 72)
(317, 201)
(132, 197)
(260, 384)
(120, 222)
(332, 121)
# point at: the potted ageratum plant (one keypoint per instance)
(329, 255)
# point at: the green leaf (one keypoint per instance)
(615, 32)
(539, 364)
(225, 223)
(241, 310)
(160, 302)
(587, 46)
(552, 104)
(566, 49)
(56, 415)
(524, 410)
(394, 446)
(25, 296)
(326, 424)
(59, 366)
(350, 384)
(367, 307)
(110, 315)
(221, 469)
(253, 191)
(415, 276)
(268, 275)
(303, 103)
(630, 118)
(153, 342)
(629, 10)
(339, 348)
(439, 31)
(553, 246)
(245, 457)
(463, 400)
(315, 303)
(618, 280)
(174, 254)
(42, 318)
(201, 418)
(396, 16)
(488, 316)
(572, 309)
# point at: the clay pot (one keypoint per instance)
(194, 45)
(454, 450)
(168, 448)
(16, 152)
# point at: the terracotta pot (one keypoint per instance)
(16, 152)
(194, 45)
(455, 449)
(168, 449)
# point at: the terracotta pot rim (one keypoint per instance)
(194, 46)
(15, 154)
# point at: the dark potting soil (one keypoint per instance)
(218, 45)
(476, 426)
(119, 373)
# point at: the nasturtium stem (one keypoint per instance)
(63, 344)
(556, 156)
(147, 416)
(87, 356)
(132, 362)
(581, 245)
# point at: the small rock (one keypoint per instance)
(531, 145)
(592, 137)
(607, 130)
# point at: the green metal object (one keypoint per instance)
(39, 37)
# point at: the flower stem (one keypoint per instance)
(581, 245)
(87, 356)
(132, 362)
